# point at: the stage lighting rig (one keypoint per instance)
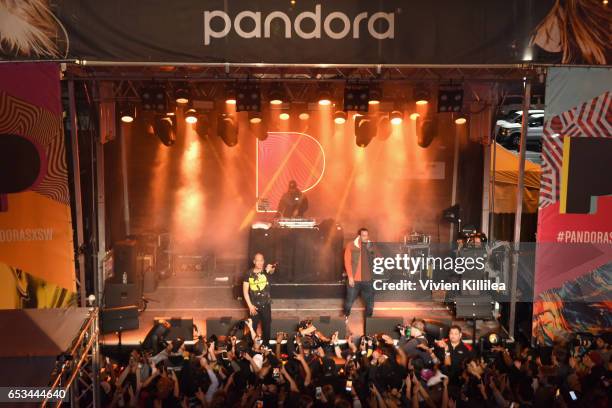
(450, 100)
(154, 99)
(248, 97)
(182, 94)
(356, 98)
(191, 116)
(427, 130)
(365, 130)
(257, 126)
(461, 119)
(276, 94)
(340, 118)
(127, 112)
(227, 129)
(396, 117)
(165, 129)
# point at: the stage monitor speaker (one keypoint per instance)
(437, 330)
(474, 307)
(287, 325)
(328, 325)
(125, 261)
(179, 328)
(222, 326)
(118, 294)
(118, 319)
(386, 325)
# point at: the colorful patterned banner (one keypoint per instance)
(36, 248)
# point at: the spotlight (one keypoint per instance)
(191, 116)
(324, 95)
(356, 98)
(154, 99)
(255, 117)
(364, 131)
(182, 95)
(426, 132)
(248, 98)
(230, 95)
(227, 129)
(450, 100)
(421, 95)
(284, 116)
(340, 117)
(276, 94)
(414, 116)
(127, 113)
(396, 117)
(461, 120)
(304, 116)
(375, 95)
(165, 129)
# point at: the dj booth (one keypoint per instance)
(304, 255)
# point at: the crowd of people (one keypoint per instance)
(309, 369)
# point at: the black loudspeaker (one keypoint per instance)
(179, 328)
(118, 319)
(287, 325)
(474, 307)
(222, 326)
(125, 261)
(328, 325)
(437, 330)
(118, 294)
(384, 325)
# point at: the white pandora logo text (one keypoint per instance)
(260, 26)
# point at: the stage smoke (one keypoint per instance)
(384, 128)
(202, 126)
(227, 129)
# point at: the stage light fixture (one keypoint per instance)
(304, 116)
(258, 127)
(364, 131)
(426, 132)
(154, 99)
(414, 116)
(450, 100)
(127, 113)
(165, 129)
(421, 95)
(191, 116)
(182, 94)
(324, 95)
(255, 117)
(340, 118)
(397, 117)
(248, 97)
(276, 94)
(460, 120)
(375, 95)
(227, 129)
(284, 116)
(356, 98)
(230, 95)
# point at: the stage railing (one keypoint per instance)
(77, 371)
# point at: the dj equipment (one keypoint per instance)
(296, 223)
(119, 319)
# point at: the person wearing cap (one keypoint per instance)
(293, 203)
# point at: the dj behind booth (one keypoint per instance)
(306, 251)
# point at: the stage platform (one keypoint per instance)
(201, 300)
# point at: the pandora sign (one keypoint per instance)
(252, 24)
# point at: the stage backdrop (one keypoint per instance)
(309, 31)
(573, 282)
(36, 249)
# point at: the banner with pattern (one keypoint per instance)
(573, 280)
(36, 246)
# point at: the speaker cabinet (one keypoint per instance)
(179, 328)
(386, 325)
(119, 319)
(118, 294)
